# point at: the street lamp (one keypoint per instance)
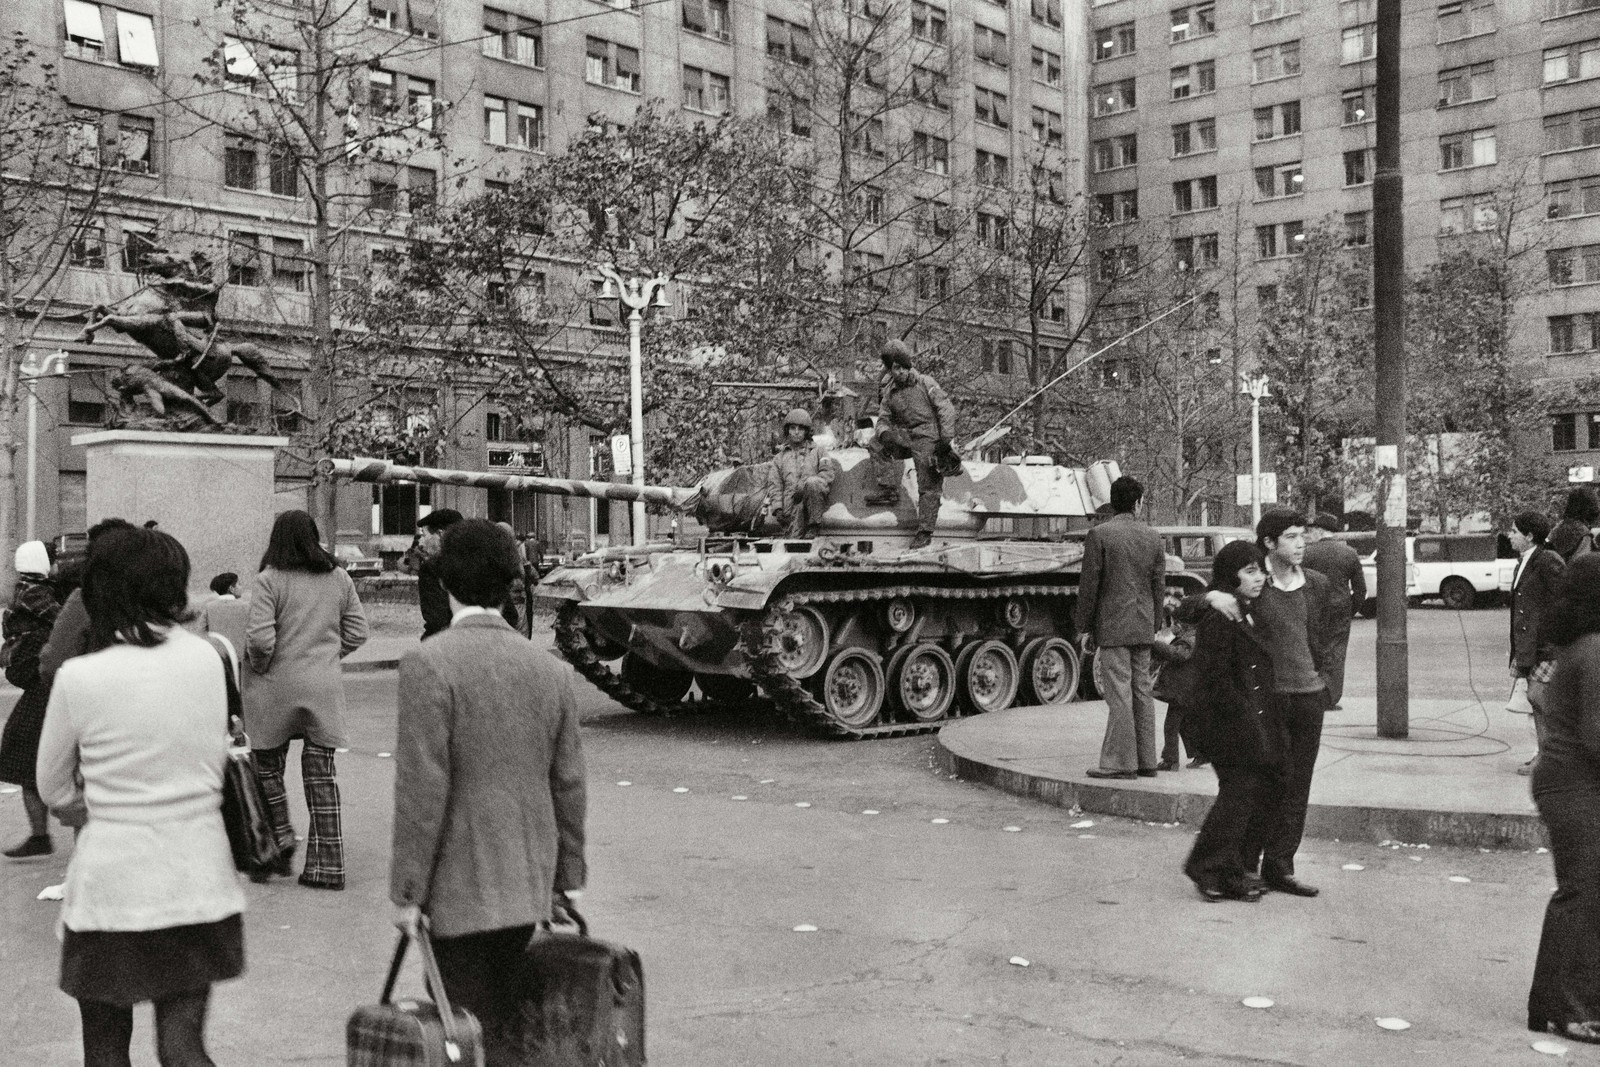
(36, 365)
(1255, 387)
(636, 294)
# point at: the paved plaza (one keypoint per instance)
(920, 911)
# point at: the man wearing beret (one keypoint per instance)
(915, 421)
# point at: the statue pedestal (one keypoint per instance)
(213, 492)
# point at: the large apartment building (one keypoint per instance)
(502, 83)
(1254, 119)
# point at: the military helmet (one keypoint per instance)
(798, 417)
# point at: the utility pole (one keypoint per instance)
(636, 294)
(1255, 387)
(1389, 311)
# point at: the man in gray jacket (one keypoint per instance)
(489, 787)
(1120, 596)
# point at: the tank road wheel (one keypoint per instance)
(987, 676)
(1049, 671)
(1458, 594)
(922, 680)
(1013, 612)
(802, 642)
(666, 685)
(852, 688)
(899, 614)
(726, 688)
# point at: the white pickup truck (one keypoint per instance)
(1463, 570)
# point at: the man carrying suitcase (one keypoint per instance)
(489, 785)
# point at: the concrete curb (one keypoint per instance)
(1467, 829)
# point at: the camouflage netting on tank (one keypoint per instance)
(733, 501)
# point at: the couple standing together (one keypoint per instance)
(1253, 692)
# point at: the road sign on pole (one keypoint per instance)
(621, 454)
(1269, 489)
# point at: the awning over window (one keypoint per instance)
(136, 40)
(694, 14)
(627, 61)
(83, 20)
(240, 64)
(423, 16)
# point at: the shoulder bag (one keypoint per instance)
(244, 804)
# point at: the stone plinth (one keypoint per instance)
(213, 492)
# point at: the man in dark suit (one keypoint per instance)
(1342, 566)
(1533, 592)
(489, 788)
(1120, 595)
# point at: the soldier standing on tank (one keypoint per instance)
(915, 420)
(802, 473)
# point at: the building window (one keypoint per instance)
(239, 158)
(1196, 20)
(1574, 333)
(1358, 228)
(383, 192)
(991, 107)
(1574, 266)
(1275, 61)
(1280, 239)
(788, 42)
(868, 269)
(1572, 129)
(1554, 9)
(1468, 214)
(1047, 128)
(1115, 152)
(1358, 105)
(1114, 41)
(244, 259)
(1461, 85)
(1575, 196)
(1465, 18)
(1196, 253)
(930, 87)
(1189, 138)
(87, 246)
(86, 35)
(991, 168)
(136, 136)
(933, 283)
(789, 113)
(709, 17)
(1194, 79)
(1047, 12)
(422, 190)
(1469, 148)
(1358, 43)
(1282, 180)
(1047, 67)
(1358, 166)
(1267, 10)
(1118, 207)
(1194, 194)
(1572, 62)
(867, 136)
(1277, 120)
(1563, 430)
(932, 217)
(612, 65)
(512, 37)
(138, 241)
(83, 139)
(1115, 97)
(930, 152)
(929, 23)
(260, 69)
(706, 91)
(990, 46)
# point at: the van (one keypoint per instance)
(1463, 570)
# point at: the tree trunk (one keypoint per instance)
(10, 533)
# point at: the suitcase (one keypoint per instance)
(579, 1003)
(413, 1033)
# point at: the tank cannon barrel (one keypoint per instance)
(366, 469)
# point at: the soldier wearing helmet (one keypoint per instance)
(802, 473)
(915, 421)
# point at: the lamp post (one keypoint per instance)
(36, 365)
(635, 294)
(1255, 387)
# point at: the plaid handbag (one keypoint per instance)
(413, 1033)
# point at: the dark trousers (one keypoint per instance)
(805, 509)
(1566, 973)
(1296, 719)
(475, 969)
(888, 472)
(180, 1032)
(1338, 642)
(1173, 730)
(1247, 799)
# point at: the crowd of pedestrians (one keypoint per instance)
(122, 730)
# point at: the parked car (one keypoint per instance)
(1197, 546)
(1463, 570)
(357, 563)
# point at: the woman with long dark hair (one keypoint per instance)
(1565, 997)
(304, 618)
(1230, 680)
(152, 906)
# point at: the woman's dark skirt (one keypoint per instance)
(19, 743)
(130, 967)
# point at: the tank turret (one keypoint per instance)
(848, 631)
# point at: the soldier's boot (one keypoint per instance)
(927, 517)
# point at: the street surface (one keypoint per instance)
(917, 918)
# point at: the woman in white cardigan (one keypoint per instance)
(153, 906)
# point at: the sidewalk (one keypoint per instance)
(1453, 781)
(382, 652)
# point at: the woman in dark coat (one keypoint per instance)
(34, 606)
(1230, 677)
(1565, 997)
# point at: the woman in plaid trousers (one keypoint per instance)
(304, 618)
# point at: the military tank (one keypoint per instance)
(849, 632)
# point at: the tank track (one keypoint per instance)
(572, 641)
(789, 694)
